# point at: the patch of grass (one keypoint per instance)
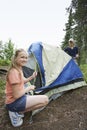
(83, 68)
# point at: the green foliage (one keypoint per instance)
(1, 50)
(4, 62)
(76, 27)
(8, 50)
(69, 30)
(83, 68)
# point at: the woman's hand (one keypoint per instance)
(32, 87)
(34, 74)
(30, 77)
(77, 56)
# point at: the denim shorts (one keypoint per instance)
(18, 105)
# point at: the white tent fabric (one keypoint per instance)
(54, 60)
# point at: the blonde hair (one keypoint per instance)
(13, 62)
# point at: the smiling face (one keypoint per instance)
(21, 59)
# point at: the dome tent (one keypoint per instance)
(57, 71)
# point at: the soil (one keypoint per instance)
(68, 112)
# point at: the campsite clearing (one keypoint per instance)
(68, 112)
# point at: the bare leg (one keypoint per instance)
(35, 102)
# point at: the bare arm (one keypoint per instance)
(30, 78)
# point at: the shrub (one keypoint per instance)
(4, 62)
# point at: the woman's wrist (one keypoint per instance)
(30, 78)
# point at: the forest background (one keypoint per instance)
(76, 28)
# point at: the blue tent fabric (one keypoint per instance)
(36, 49)
(69, 73)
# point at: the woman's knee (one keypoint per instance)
(46, 100)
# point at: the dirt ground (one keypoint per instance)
(68, 112)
